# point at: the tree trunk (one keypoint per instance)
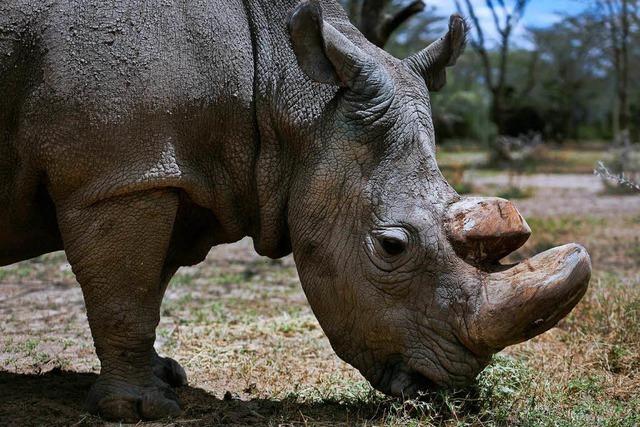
(498, 110)
(623, 86)
(619, 33)
(376, 25)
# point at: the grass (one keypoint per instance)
(553, 231)
(513, 192)
(256, 355)
(617, 189)
(457, 165)
(546, 160)
(569, 160)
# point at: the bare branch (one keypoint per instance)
(476, 22)
(531, 72)
(377, 26)
(479, 43)
(370, 19)
(518, 10)
(391, 23)
(505, 17)
(620, 179)
(494, 14)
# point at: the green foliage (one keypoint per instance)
(463, 187)
(460, 113)
(514, 192)
(562, 78)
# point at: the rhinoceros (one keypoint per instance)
(136, 135)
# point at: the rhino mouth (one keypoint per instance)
(409, 377)
(399, 380)
(409, 383)
(418, 384)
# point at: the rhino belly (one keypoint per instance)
(27, 217)
(28, 225)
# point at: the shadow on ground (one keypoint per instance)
(56, 398)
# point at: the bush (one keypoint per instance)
(622, 173)
(515, 152)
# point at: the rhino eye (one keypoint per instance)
(392, 245)
(391, 242)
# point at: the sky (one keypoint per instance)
(539, 13)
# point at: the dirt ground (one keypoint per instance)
(255, 354)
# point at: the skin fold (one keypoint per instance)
(136, 135)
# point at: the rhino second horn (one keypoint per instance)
(485, 229)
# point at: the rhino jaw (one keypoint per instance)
(528, 298)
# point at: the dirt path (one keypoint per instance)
(561, 194)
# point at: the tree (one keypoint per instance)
(572, 76)
(374, 19)
(617, 18)
(505, 18)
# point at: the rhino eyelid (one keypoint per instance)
(390, 243)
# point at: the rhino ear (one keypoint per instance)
(432, 61)
(324, 53)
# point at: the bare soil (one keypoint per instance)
(561, 194)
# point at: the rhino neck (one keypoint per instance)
(288, 107)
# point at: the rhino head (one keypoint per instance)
(401, 272)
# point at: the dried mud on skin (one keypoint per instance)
(254, 352)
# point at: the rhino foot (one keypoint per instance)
(117, 400)
(169, 371)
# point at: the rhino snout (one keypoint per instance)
(515, 302)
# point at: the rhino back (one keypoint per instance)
(112, 97)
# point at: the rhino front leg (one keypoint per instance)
(117, 249)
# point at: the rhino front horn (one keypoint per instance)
(485, 229)
(529, 298)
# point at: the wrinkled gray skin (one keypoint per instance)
(135, 135)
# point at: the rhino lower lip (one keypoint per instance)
(408, 383)
(419, 383)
